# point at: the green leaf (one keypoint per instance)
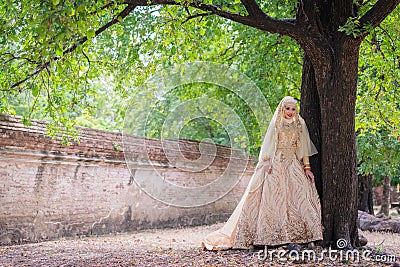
(35, 91)
(90, 33)
(26, 121)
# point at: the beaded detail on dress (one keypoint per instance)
(288, 139)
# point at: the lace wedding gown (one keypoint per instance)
(276, 208)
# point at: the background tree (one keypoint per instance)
(379, 154)
(41, 39)
(378, 111)
(365, 194)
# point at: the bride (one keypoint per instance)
(280, 204)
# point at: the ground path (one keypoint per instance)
(161, 247)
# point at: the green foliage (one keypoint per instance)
(93, 85)
(379, 71)
(271, 61)
(38, 79)
(378, 105)
(353, 27)
(379, 155)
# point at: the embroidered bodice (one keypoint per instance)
(288, 139)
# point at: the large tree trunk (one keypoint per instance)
(329, 88)
(365, 196)
(310, 111)
(385, 196)
(333, 130)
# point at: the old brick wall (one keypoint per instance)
(48, 190)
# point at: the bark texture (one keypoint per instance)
(310, 111)
(385, 196)
(365, 195)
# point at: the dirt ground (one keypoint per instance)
(175, 247)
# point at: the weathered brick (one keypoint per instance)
(49, 191)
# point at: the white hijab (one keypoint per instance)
(305, 146)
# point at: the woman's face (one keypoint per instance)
(289, 111)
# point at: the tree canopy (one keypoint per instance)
(78, 63)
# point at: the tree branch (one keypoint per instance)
(305, 12)
(14, 57)
(252, 8)
(33, 74)
(288, 25)
(307, 17)
(226, 50)
(116, 20)
(256, 19)
(196, 16)
(264, 23)
(103, 8)
(377, 13)
(72, 48)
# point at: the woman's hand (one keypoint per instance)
(265, 164)
(310, 175)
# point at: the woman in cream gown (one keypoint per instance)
(280, 204)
